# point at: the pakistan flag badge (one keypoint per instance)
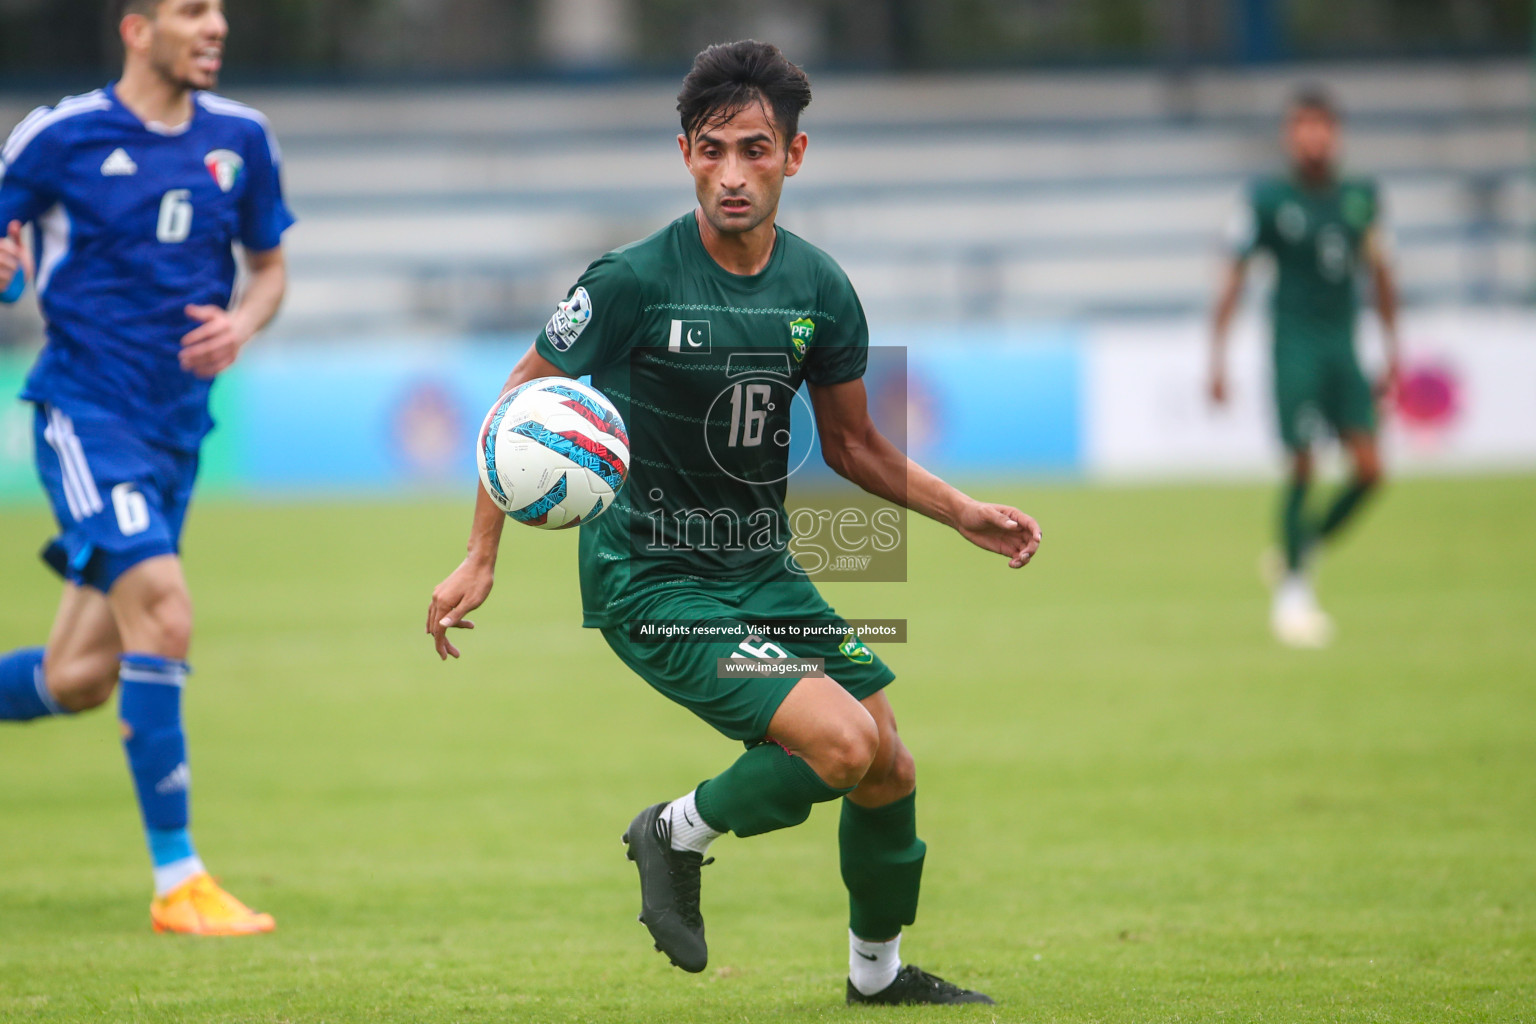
(800, 333)
(854, 650)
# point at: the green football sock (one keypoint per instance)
(882, 862)
(767, 788)
(1343, 507)
(1293, 525)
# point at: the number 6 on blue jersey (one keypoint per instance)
(175, 216)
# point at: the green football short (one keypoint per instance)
(1320, 390)
(686, 671)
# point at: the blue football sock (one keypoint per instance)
(150, 709)
(23, 693)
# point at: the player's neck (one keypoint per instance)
(1314, 175)
(152, 99)
(745, 253)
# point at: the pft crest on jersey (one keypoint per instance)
(800, 334)
(226, 167)
(854, 649)
(570, 319)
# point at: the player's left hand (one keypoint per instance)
(210, 349)
(1002, 529)
(13, 255)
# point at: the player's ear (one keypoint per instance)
(796, 154)
(687, 150)
(135, 30)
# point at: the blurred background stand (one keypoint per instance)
(1042, 176)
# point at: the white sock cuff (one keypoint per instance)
(169, 877)
(689, 830)
(41, 683)
(872, 966)
(891, 947)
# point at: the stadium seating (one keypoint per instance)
(470, 209)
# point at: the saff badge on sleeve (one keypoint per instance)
(570, 319)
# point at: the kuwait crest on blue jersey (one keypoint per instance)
(226, 167)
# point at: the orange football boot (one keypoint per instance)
(199, 907)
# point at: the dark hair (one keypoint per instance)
(1316, 99)
(127, 7)
(728, 77)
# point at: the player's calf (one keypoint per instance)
(24, 693)
(37, 683)
(82, 682)
(76, 672)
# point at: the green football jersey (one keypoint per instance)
(705, 366)
(1317, 237)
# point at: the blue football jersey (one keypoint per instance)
(131, 224)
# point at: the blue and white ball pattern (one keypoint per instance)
(553, 453)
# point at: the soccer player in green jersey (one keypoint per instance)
(701, 335)
(1320, 228)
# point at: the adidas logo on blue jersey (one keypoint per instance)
(119, 164)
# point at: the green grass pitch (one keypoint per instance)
(1138, 808)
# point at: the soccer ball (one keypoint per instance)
(553, 453)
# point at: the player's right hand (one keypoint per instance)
(1391, 379)
(465, 589)
(13, 255)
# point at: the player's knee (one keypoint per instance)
(901, 776)
(1368, 474)
(82, 682)
(892, 776)
(849, 751)
(167, 625)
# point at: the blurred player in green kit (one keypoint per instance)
(1320, 228)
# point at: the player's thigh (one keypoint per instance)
(1299, 399)
(84, 648)
(819, 719)
(687, 671)
(830, 717)
(118, 500)
(851, 674)
(1350, 402)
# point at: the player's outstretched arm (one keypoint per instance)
(1221, 325)
(212, 347)
(857, 451)
(467, 587)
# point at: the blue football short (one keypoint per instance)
(118, 499)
